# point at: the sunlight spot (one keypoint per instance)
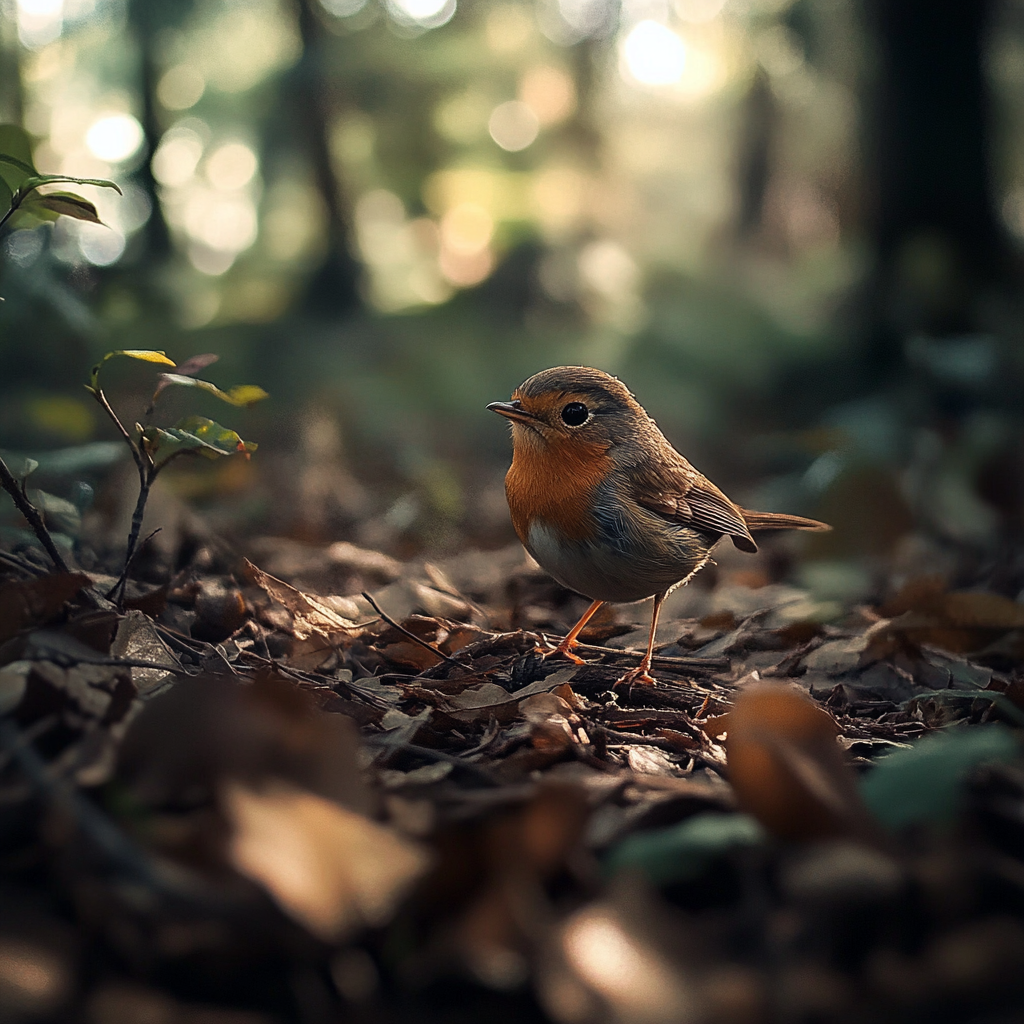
(224, 223)
(100, 245)
(175, 160)
(40, 21)
(466, 228)
(608, 268)
(115, 138)
(465, 269)
(343, 8)
(513, 125)
(231, 167)
(181, 87)
(549, 92)
(654, 54)
(422, 13)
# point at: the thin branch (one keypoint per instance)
(31, 513)
(405, 632)
(122, 581)
(137, 453)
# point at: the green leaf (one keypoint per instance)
(682, 852)
(16, 164)
(243, 394)
(194, 434)
(926, 782)
(60, 204)
(145, 354)
(21, 466)
(52, 179)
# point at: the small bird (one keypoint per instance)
(606, 505)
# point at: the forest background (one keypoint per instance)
(793, 228)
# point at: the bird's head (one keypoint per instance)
(573, 406)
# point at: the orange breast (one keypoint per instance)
(556, 483)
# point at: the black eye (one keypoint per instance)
(575, 414)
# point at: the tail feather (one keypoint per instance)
(780, 521)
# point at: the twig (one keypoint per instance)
(405, 632)
(122, 580)
(389, 748)
(20, 563)
(31, 513)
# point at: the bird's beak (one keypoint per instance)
(512, 411)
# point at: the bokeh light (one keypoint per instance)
(176, 158)
(513, 125)
(343, 8)
(698, 12)
(181, 87)
(40, 21)
(422, 13)
(549, 92)
(466, 228)
(231, 166)
(115, 138)
(654, 54)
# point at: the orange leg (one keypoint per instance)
(642, 673)
(565, 647)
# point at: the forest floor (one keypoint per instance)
(252, 794)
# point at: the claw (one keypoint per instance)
(638, 676)
(563, 648)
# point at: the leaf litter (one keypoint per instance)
(356, 786)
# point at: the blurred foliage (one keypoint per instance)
(393, 211)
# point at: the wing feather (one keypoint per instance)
(679, 493)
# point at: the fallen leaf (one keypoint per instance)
(332, 870)
(37, 601)
(787, 769)
(309, 616)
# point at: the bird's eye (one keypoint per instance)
(575, 414)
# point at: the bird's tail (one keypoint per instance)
(780, 521)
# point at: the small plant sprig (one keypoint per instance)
(153, 448)
(19, 185)
(20, 182)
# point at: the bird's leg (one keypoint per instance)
(565, 646)
(642, 673)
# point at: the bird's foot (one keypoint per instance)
(546, 651)
(639, 676)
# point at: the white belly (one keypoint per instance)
(599, 572)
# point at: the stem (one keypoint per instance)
(31, 513)
(147, 474)
(133, 538)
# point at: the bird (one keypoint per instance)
(606, 505)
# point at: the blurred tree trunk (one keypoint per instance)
(147, 18)
(754, 157)
(938, 242)
(333, 289)
(11, 94)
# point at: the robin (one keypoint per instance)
(606, 505)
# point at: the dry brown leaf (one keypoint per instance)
(787, 769)
(309, 616)
(332, 870)
(37, 601)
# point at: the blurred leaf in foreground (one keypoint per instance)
(331, 869)
(788, 770)
(926, 782)
(682, 852)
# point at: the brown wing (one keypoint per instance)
(679, 493)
